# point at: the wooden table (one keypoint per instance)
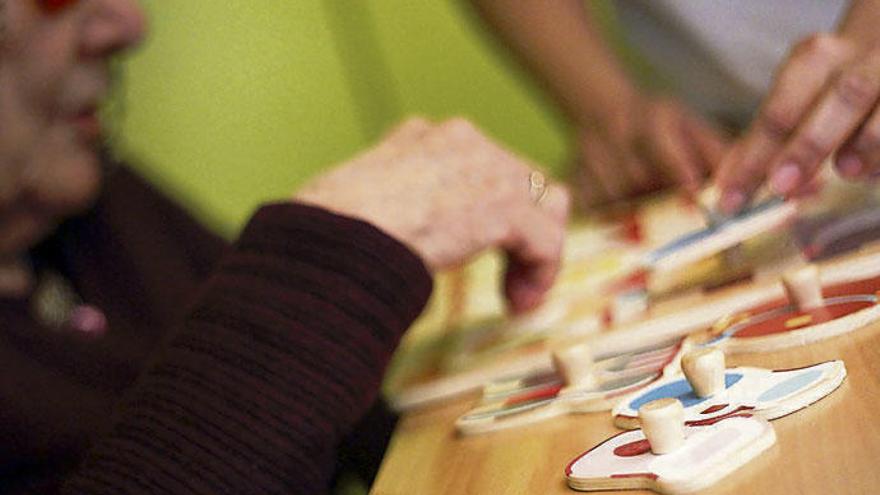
(831, 447)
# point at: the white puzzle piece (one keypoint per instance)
(715, 238)
(708, 454)
(769, 394)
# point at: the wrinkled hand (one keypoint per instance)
(650, 145)
(823, 99)
(449, 192)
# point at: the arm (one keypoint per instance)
(628, 142)
(286, 346)
(561, 43)
(823, 100)
(282, 354)
(861, 21)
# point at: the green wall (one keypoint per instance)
(230, 104)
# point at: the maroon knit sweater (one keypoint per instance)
(225, 369)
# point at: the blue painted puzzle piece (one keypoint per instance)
(681, 390)
(666, 250)
(790, 386)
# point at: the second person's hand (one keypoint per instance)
(824, 99)
(652, 143)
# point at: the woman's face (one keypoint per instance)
(54, 72)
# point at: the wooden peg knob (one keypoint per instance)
(629, 307)
(575, 364)
(662, 423)
(708, 197)
(707, 201)
(803, 287)
(704, 369)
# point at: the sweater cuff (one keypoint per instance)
(365, 254)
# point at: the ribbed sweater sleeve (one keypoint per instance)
(282, 353)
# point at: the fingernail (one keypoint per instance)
(849, 165)
(786, 178)
(731, 201)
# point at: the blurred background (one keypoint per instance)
(229, 104)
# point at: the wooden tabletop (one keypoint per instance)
(832, 446)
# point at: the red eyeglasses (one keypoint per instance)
(55, 6)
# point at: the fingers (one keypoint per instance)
(599, 182)
(588, 192)
(610, 170)
(710, 144)
(839, 112)
(797, 87)
(636, 173)
(859, 157)
(534, 249)
(670, 145)
(666, 145)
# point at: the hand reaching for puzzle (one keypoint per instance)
(449, 192)
(652, 143)
(824, 99)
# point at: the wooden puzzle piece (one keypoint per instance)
(579, 387)
(717, 237)
(625, 307)
(663, 425)
(704, 369)
(708, 453)
(769, 394)
(496, 347)
(571, 308)
(808, 317)
(437, 388)
(788, 327)
(854, 275)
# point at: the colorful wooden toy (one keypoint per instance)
(578, 385)
(769, 394)
(707, 453)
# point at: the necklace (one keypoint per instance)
(56, 305)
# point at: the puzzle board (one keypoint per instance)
(603, 293)
(536, 397)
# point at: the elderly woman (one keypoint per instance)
(141, 354)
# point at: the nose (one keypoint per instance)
(114, 26)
